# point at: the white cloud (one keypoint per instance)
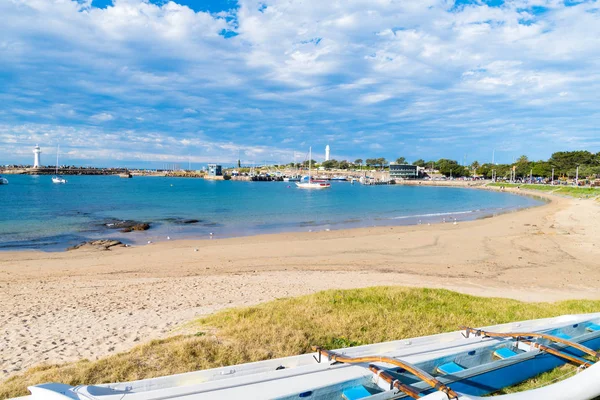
(301, 72)
(375, 98)
(102, 117)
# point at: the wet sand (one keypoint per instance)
(88, 303)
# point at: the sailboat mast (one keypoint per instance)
(309, 163)
(57, 150)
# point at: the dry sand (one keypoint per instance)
(88, 303)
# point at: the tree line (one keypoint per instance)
(562, 163)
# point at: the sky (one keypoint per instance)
(131, 82)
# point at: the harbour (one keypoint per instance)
(299, 200)
(225, 208)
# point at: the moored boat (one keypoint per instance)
(293, 178)
(309, 183)
(339, 178)
(462, 364)
(3, 181)
(58, 178)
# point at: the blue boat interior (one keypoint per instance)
(476, 372)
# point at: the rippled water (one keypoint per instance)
(39, 214)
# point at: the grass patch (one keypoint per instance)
(333, 319)
(573, 191)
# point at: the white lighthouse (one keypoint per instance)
(36, 156)
(327, 153)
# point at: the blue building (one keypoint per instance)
(214, 170)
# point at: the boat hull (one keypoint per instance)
(313, 185)
(321, 378)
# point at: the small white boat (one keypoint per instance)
(309, 183)
(57, 178)
(462, 365)
(339, 178)
(313, 185)
(3, 181)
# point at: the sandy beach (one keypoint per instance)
(89, 303)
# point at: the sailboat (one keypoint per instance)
(310, 183)
(57, 178)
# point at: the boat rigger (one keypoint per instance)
(464, 364)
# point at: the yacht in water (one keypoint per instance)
(3, 181)
(293, 178)
(57, 178)
(310, 183)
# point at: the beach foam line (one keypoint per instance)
(436, 214)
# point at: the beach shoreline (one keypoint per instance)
(208, 224)
(66, 306)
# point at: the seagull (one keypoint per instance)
(168, 237)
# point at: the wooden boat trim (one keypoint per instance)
(575, 360)
(419, 373)
(394, 383)
(519, 335)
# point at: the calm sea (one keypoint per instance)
(37, 214)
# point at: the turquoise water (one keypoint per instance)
(37, 214)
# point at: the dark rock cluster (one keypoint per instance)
(128, 225)
(100, 244)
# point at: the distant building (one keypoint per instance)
(403, 171)
(327, 153)
(215, 170)
(36, 156)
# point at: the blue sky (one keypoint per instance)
(128, 82)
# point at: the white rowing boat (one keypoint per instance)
(464, 364)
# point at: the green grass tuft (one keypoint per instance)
(573, 191)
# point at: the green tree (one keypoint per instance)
(567, 161)
(486, 170)
(344, 164)
(541, 169)
(330, 164)
(358, 161)
(431, 164)
(522, 160)
(420, 163)
(448, 167)
(400, 160)
(523, 167)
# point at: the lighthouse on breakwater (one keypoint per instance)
(36, 156)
